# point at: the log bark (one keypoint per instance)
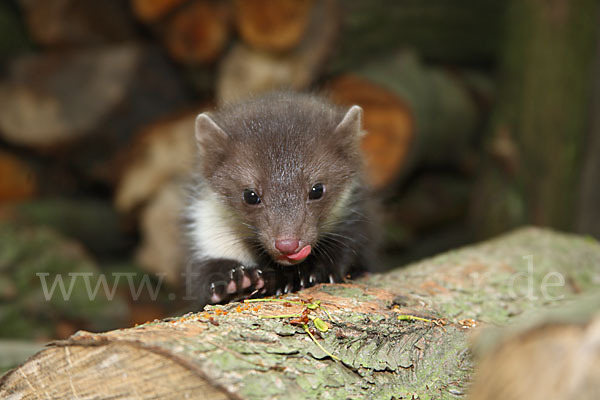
(234, 352)
(537, 137)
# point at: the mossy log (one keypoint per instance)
(237, 352)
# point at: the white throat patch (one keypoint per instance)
(214, 232)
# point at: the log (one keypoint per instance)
(272, 26)
(61, 96)
(389, 124)
(65, 23)
(248, 71)
(414, 115)
(153, 10)
(81, 105)
(198, 32)
(161, 250)
(545, 89)
(514, 360)
(37, 112)
(161, 152)
(237, 351)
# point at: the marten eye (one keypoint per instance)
(250, 197)
(316, 192)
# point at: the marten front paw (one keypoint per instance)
(284, 280)
(241, 282)
(226, 280)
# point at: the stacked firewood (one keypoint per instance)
(98, 104)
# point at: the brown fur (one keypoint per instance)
(280, 146)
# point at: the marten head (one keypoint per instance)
(284, 166)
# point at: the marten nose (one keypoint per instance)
(287, 246)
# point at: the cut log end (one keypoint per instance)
(153, 10)
(198, 33)
(272, 26)
(67, 370)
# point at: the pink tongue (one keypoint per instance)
(301, 255)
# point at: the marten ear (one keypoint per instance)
(351, 125)
(208, 132)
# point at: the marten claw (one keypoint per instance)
(288, 288)
(214, 296)
(243, 283)
(259, 281)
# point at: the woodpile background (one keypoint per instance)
(479, 118)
